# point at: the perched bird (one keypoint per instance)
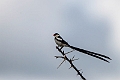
(62, 43)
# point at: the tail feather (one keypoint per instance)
(97, 55)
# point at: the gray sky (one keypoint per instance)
(27, 47)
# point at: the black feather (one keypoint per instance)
(97, 55)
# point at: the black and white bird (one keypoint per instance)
(62, 43)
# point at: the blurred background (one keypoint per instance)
(27, 47)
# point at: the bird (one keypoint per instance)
(62, 43)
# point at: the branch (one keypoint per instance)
(70, 61)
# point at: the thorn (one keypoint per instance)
(76, 59)
(61, 63)
(70, 67)
(63, 51)
(80, 73)
(58, 57)
(73, 57)
(81, 70)
(70, 51)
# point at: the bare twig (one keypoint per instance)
(70, 61)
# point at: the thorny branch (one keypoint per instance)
(70, 61)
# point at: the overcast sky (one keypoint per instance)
(27, 47)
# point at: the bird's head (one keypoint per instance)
(56, 35)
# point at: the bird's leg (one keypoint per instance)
(61, 47)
